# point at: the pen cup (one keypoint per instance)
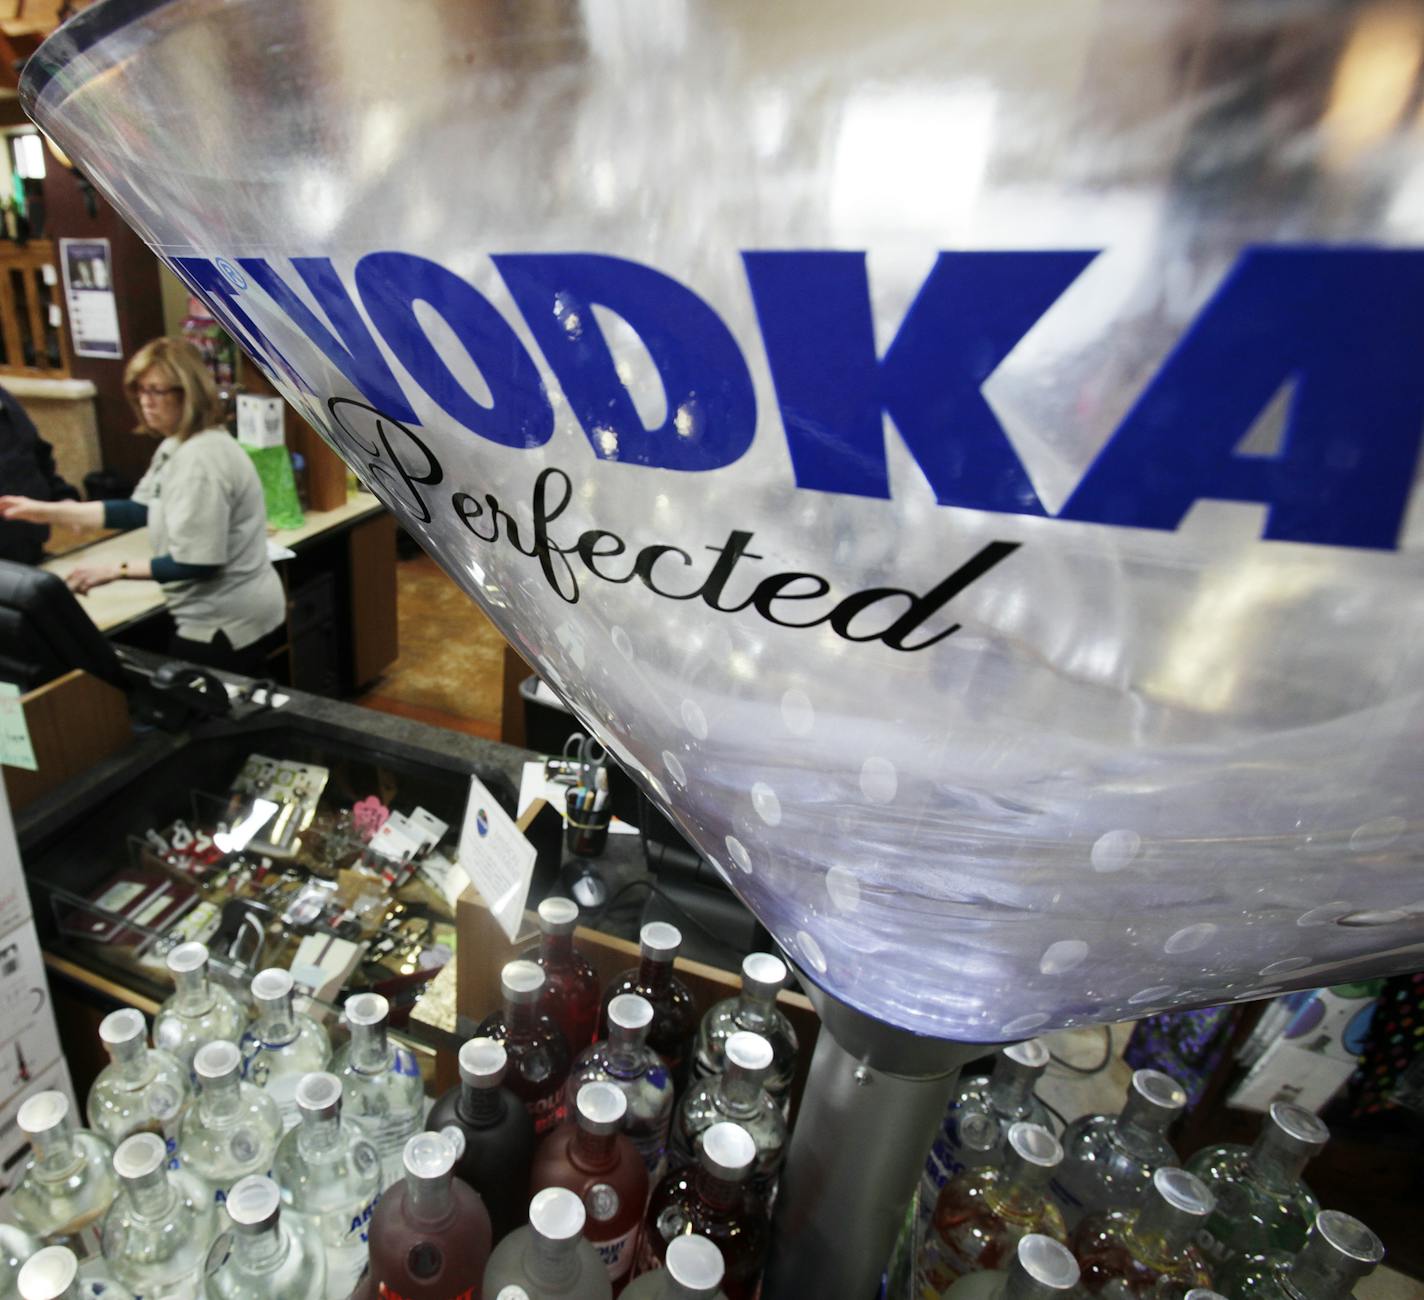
(586, 827)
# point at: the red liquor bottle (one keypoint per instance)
(537, 1051)
(713, 1200)
(571, 985)
(592, 1158)
(674, 1012)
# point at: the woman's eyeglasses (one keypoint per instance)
(144, 390)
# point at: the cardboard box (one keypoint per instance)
(14, 893)
(13, 1144)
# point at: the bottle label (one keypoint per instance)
(602, 1202)
(618, 1254)
(546, 1112)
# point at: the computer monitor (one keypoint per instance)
(45, 633)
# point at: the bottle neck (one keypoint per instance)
(1161, 1232)
(152, 1195)
(716, 1192)
(521, 1017)
(654, 975)
(1019, 1192)
(220, 1098)
(1011, 1088)
(370, 1048)
(132, 1063)
(428, 1199)
(482, 1107)
(193, 994)
(1276, 1161)
(318, 1135)
(593, 1151)
(1141, 1126)
(552, 1263)
(737, 1093)
(277, 1022)
(626, 1053)
(55, 1151)
(557, 949)
(755, 1011)
(262, 1251)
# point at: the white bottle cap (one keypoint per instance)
(253, 1203)
(749, 1052)
(1045, 1264)
(366, 1009)
(695, 1264)
(558, 915)
(630, 1011)
(429, 1156)
(217, 1060)
(763, 974)
(272, 984)
(660, 941)
(42, 1112)
(483, 1062)
(1035, 1145)
(1184, 1192)
(187, 957)
(140, 1155)
(1031, 1053)
(727, 1151)
(557, 1214)
(601, 1108)
(1158, 1090)
(48, 1274)
(121, 1027)
(319, 1094)
(1303, 1129)
(1202, 1293)
(522, 982)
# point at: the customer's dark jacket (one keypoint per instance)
(26, 469)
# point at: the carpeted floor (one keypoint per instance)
(451, 656)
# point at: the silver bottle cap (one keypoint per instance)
(695, 1264)
(483, 1062)
(1154, 1099)
(1297, 1128)
(660, 941)
(42, 1112)
(48, 1274)
(1040, 1269)
(366, 1009)
(557, 1214)
(272, 985)
(119, 1028)
(601, 1108)
(763, 975)
(1035, 1145)
(727, 1151)
(218, 1060)
(750, 1053)
(428, 1156)
(522, 982)
(187, 957)
(558, 916)
(1031, 1054)
(319, 1095)
(140, 1156)
(1184, 1192)
(630, 1011)
(1338, 1252)
(1202, 1293)
(254, 1203)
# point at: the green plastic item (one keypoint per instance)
(279, 486)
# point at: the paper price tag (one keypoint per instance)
(497, 858)
(15, 747)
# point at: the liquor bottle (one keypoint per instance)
(571, 991)
(330, 1176)
(737, 1095)
(1039, 1269)
(626, 1061)
(68, 1182)
(713, 1199)
(383, 1094)
(538, 1054)
(232, 1128)
(266, 1255)
(1338, 1252)
(692, 1270)
(594, 1160)
(492, 1133)
(199, 1011)
(16, 1246)
(430, 1234)
(281, 1044)
(674, 1012)
(1147, 1252)
(982, 1214)
(141, 1090)
(53, 1273)
(1108, 1161)
(1262, 1206)
(548, 1257)
(976, 1122)
(1203, 1293)
(753, 1010)
(157, 1232)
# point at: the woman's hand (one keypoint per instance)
(27, 510)
(87, 577)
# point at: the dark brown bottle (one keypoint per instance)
(571, 985)
(591, 1157)
(713, 1200)
(674, 1012)
(430, 1234)
(538, 1053)
(493, 1132)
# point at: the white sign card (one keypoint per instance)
(497, 858)
(15, 747)
(259, 420)
(89, 294)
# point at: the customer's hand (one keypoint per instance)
(27, 510)
(88, 576)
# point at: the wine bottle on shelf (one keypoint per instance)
(1147, 1251)
(490, 1128)
(1109, 1160)
(592, 1158)
(1039, 1269)
(199, 1010)
(266, 1255)
(537, 1051)
(571, 990)
(1338, 1252)
(674, 1011)
(1263, 1206)
(68, 1182)
(232, 1127)
(626, 1061)
(753, 1010)
(430, 1234)
(548, 1259)
(282, 1044)
(141, 1090)
(383, 1093)
(692, 1270)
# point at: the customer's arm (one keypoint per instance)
(69, 514)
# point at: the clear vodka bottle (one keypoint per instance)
(383, 1094)
(53, 1273)
(1148, 1251)
(232, 1128)
(626, 1061)
(548, 1258)
(263, 1256)
(141, 1090)
(1040, 1269)
(68, 1183)
(1262, 1205)
(157, 1232)
(16, 1246)
(199, 1011)
(738, 1095)
(692, 1270)
(1109, 1160)
(281, 1044)
(753, 1010)
(1338, 1252)
(330, 1175)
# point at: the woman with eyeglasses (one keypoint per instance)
(202, 503)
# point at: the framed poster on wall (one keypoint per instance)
(89, 295)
